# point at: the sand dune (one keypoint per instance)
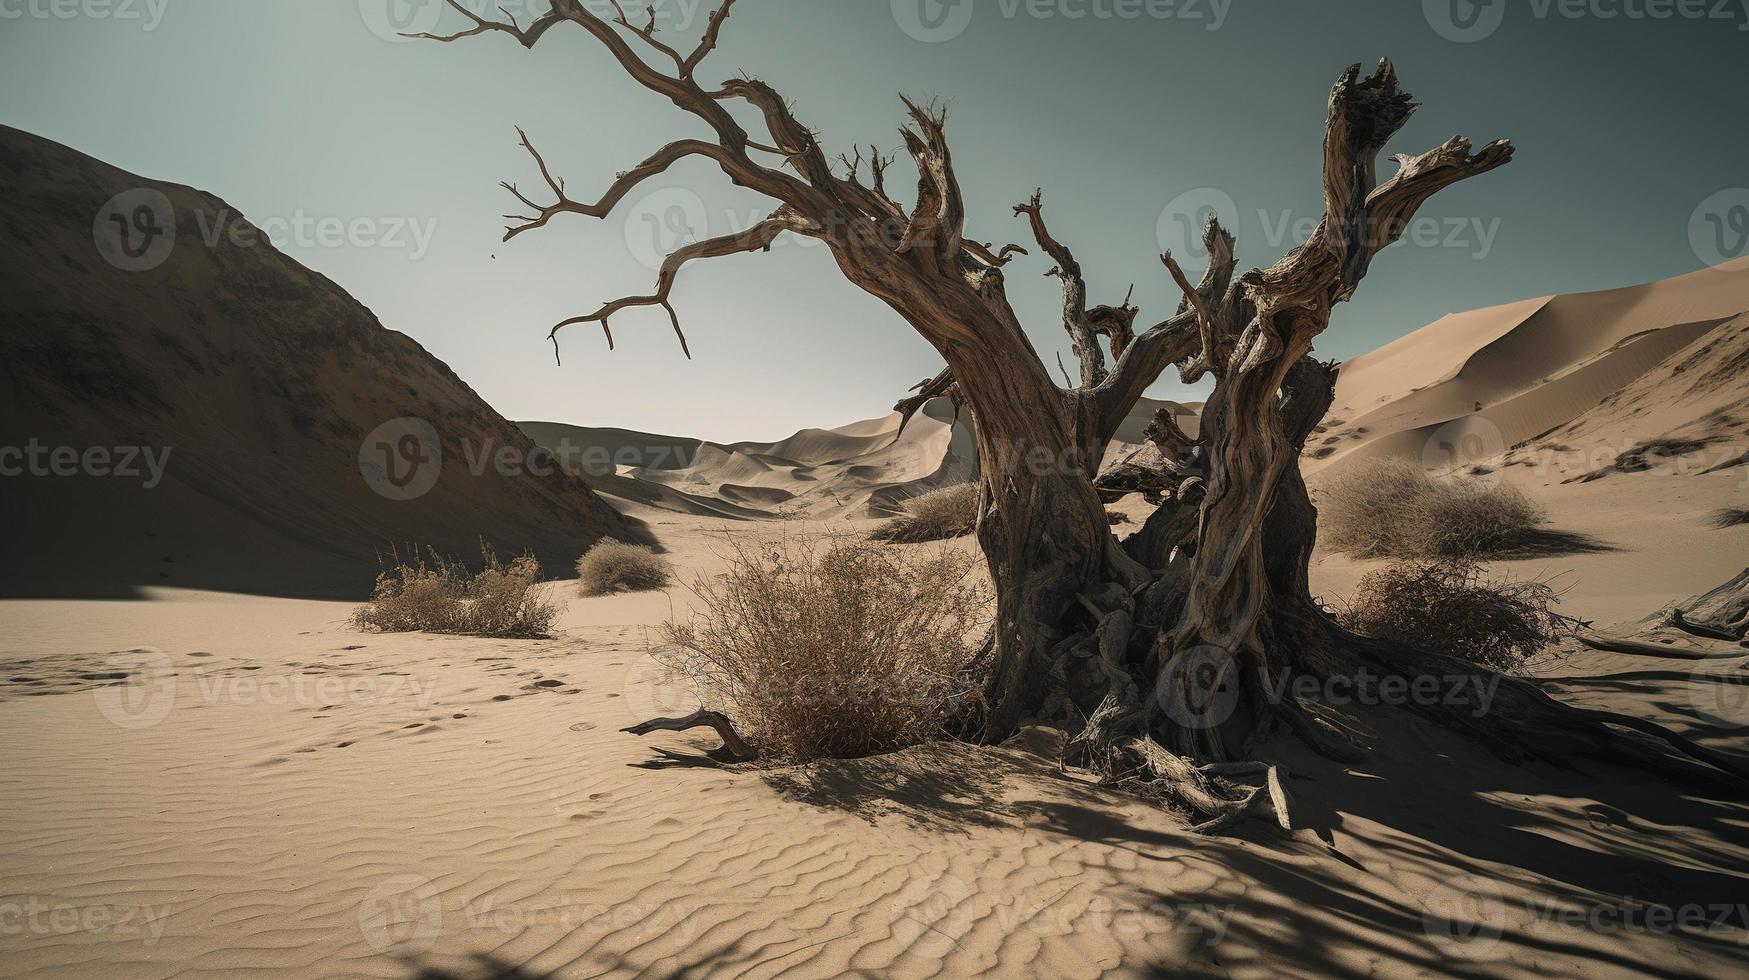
(861, 469)
(1490, 379)
(263, 389)
(853, 470)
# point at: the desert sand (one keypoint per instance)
(274, 791)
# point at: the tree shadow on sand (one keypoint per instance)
(939, 786)
(1525, 852)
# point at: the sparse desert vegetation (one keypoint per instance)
(1451, 606)
(432, 593)
(1390, 508)
(950, 512)
(1730, 516)
(833, 648)
(614, 566)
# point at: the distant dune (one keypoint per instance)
(863, 469)
(1492, 379)
(257, 387)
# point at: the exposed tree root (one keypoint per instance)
(1621, 644)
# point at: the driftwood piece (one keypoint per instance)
(1721, 614)
(702, 718)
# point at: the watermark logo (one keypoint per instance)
(141, 691)
(1181, 224)
(1461, 446)
(1718, 230)
(1199, 688)
(655, 690)
(1464, 21)
(933, 21)
(401, 916)
(402, 458)
(135, 231)
(1720, 700)
(929, 926)
(663, 221)
(1464, 916)
(395, 20)
(1183, 220)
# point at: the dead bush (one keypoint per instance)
(1391, 508)
(1729, 516)
(950, 512)
(833, 649)
(1451, 606)
(435, 594)
(614, 566)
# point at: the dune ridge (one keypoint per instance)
(263, 386)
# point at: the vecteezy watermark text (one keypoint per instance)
(1468, 21)
(148, 13)
(305, 230)
(935, 21)
(146, 463)
(35, 915)
(405, 20)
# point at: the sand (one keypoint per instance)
(286, 794)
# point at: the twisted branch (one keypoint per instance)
(755, 239)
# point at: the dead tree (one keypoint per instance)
(1170, 647)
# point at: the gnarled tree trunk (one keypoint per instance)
(1161, 654)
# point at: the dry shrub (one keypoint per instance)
(1729, 516)
(950, 512)
(1391, 508)
(833, 649)
(614, 566)
(1451, 606)
(435, 594)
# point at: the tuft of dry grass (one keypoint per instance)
(435, 594)
(950, 512)
(834, 648)
(1729, 516)
(614, 566)
(1451, 606)
(1391, 508)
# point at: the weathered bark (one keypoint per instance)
(1159, 651)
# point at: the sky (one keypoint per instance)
(375, 160)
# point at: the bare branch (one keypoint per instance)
(937, 225)
(755, 239)
(657, 163)
(524, 36)
(942, 385)
(1081, 335)
(708, 43)
(1361, 217)
(733, 743)
(1210, 355)
(1178, 338)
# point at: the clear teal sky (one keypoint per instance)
(290, 108)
